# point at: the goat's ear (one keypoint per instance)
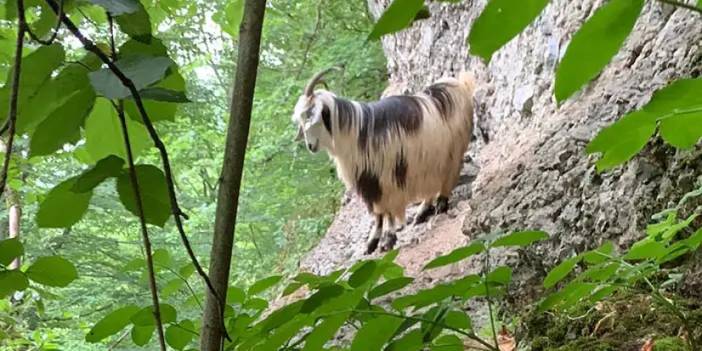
(300, 134)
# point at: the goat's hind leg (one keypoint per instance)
(374, 235)
(425, 211)
(389, 235)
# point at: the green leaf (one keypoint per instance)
(570, 293)
(281, 315)
(62, 208)
(178, 336)
(398, 16)
(171, 287)
(375, 333)
(324, 331)
(118, 7)
(501, 275)
(645, 250)
(264, 284)
(141, 70)
(521, 239)
(229, 17)
(594, 45)
(500, 21)
(363, 274)
(255, 303)
(456, 255)
(560, 271)
(412, 341)
(236, 295)
(291, 288)
(111, 324)
(601, 293)
(11, 281)
(145, 316)
(389, 286)
(9, 250)
(109, 167)
(43, 61)
(136, 24)
(153, 190)
(52, 271)
(142, 335)
(56, 92)
(601, 272)
(163, 94)
(63, 125)
(679, 95)
(682, 130)
(318, 298)
(600, 254)
(274, 341)
(458, 320)
(159, 110)
(623, 139)
(161, 258)
(447, 343)
(103, 133)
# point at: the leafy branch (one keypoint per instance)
(178, 214)
(55, 31)
(119, 106)
(14, 94)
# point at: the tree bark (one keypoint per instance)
(232, 169)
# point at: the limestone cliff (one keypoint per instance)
(527, 167)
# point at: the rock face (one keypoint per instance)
(533, 170)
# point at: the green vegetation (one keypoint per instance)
(103, 211)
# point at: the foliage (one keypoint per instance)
(645, 267)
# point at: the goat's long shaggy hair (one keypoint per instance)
(404, 148)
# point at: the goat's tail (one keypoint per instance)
(468, 80)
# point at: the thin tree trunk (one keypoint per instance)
(232, 169)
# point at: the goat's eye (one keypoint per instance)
(308, 114)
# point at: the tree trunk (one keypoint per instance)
(533, 170)
(232, 168)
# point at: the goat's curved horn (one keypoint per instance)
(317, 78)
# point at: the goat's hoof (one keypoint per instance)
(442, 205)
(372, 245)
(389, 244)
(424, 215)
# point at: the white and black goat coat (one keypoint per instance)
(400, 149)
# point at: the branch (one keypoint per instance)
(682, 5)
(14, 94)
(54, 34)
(178, 215)
(139, 206)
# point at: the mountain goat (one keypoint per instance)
(395, 151)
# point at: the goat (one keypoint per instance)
(395, 151)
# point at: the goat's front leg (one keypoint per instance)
(374, 235)
(389, 236)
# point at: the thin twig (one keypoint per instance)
(178, 215)
(313, 38)
(682, 5)
(14, 94)
(139, 207)
(487, 297)
(144, 230)
(54, 34)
